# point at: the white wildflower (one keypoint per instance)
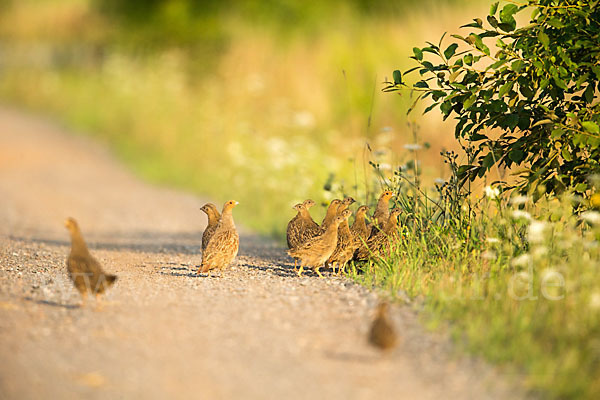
(535, 233)
(540, 251)
(491, 192)
(385, 167)
(439, 181)
(521, 261)
(519, 200)
(593, 217)
(489, 255)
(304, 119)
(516, 214)
(413, 146)
(492, 240)
(595, 301)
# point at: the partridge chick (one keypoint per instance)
(84, 270)
(359, 229)
(382, 212)
(224, 244)
(331, 213)
(315, 251)
(345, 204)
(213, 220)
(382, 333)
(346, 245)
(378, 244)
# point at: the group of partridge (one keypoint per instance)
(333, 243)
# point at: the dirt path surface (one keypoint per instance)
(256, 332)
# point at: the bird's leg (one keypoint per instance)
(300, 270)
(99, 303)
(318, 273)
(83, 299)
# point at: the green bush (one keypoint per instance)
(523, 96)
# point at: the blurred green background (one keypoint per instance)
(265, 102)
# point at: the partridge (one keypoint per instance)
(345, 204)
(224, 244)
(382, 333)
(346, 245)
(382, 212)
(315, 251)
(359, 229)
(213, 220)
(330, 214)
(377, 245)
(301, 227)
(84, 270)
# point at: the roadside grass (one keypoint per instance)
(519, 283)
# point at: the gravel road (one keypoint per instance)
(255, 332)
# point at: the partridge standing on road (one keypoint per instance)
(382, 212)
(213, 220)
(377, 245)
(315, 251)
(359, 229)
(346, 245)
(382, 333)
(302, 226)
(84, 270)
(224, 244)
(330, 214)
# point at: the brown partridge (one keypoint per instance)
(378, 245)
(331, 213)
(382, 333)
(315, 251)
(345, 204)
(213, 220)
(359, 228)
(224, 244)
(301, 227)
(346, 245)
(84, 270)
(382, 212)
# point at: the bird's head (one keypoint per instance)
(298, 207)
(362, 210)
(395, 214)
(71, 225)
(308, 203)
(346, 214)
(386, 195)
(208, 208)
(230, 205)
(348, 200)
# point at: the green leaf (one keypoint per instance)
(566, 154)
(555, 22)
(557, 133)
(468, 59)
(516, 155)
(449, 52)
(492, 21)
(544, 39)
(418, 53)
(469, 102)
(488, 161)
(506, 17)
(397, 75)
(504, 89)
(494, 8)
(581, 187)
(517, 65)
(591, 127)
(596, 70)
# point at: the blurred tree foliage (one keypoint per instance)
(160, 23)
(539, 87)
